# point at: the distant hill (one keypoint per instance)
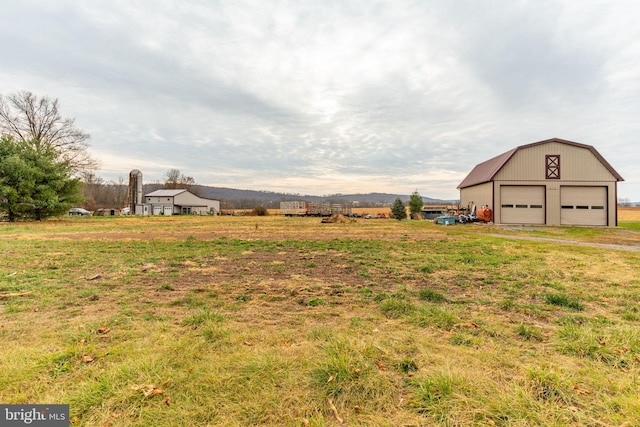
(246, 199)
(232, 198)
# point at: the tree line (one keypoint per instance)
(46, 168)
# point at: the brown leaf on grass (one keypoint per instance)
(87, 358)
(147, 389)
(167, 401)
(581, 390)
(95, 276)
(381, 366)
(466, 325)
(103, 330)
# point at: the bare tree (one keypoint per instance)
(172, 178)
(37, 121)
(101, 194)
(176, 179)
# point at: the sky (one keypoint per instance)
(332, 96)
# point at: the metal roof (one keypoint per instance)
(485, 171)
(166, 192)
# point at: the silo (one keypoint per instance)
(135, 189)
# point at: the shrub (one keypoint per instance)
(259, 211)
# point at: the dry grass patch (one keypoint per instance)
(214, 321)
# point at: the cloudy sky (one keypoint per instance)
(331, 96)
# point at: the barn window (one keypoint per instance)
(597, 207)
(521, 206)
(553, 166)
(507, 206)
(536, 206)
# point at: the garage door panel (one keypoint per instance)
(583, 205)
(522, 204)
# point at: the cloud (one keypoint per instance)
(312, 97)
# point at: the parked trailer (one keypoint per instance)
(297, 208)
(318, 209)
(301, 208)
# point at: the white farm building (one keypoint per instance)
(176, 202)
(550, 182)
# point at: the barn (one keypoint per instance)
(550, 182)
(176, 201)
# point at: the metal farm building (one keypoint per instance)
(176, 202)
(551, 182)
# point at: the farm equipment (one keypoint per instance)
(484, 214)
(470, 217)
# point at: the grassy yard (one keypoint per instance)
(227, 321)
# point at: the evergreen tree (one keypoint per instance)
(34, 183)
(415, 205)
(398, 210)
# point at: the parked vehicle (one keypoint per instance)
(79, 212)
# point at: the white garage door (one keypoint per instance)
(522, 204)
(583, 205)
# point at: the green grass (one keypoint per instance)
(212, 321)
(561, 300)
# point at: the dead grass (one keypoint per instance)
(628, 213)
(287, 321)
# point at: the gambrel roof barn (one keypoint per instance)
(550, 182)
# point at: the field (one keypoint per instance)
(629, 214)
(272, 321)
